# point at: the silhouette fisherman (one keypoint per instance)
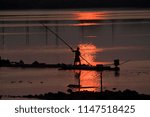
(77, 60)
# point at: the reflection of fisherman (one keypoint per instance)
(77, 56)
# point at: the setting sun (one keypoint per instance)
(89, 15)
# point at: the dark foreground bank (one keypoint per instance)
(85, 95)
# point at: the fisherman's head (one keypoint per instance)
(78, 48)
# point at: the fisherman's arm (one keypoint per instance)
(73, 50)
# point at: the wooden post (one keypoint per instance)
(112, 31)
(27, 34)
(3, 36)
(56, 27)
(46, 36)
(101, 78)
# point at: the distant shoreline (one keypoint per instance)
(72, 4)
(79, 9)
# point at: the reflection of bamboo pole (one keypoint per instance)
(82, 35)
(3, 36)
(56, 27)
(27, 34)
(112, 34)
(46, 36)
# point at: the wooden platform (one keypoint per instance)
(87, 67)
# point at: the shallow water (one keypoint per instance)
(101, 35)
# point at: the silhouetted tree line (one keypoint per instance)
(56, 4)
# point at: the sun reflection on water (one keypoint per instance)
(88, 52)
(88, 80)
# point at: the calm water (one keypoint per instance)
(102, 36)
